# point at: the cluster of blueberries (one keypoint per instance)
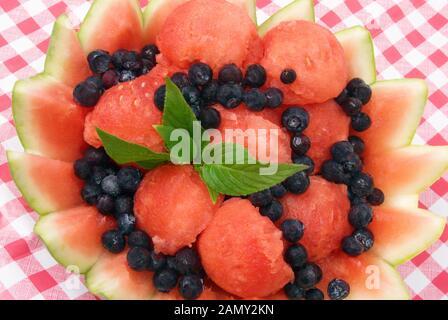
(110, 69)
(345, 167)
(356, 94)
(230, 89)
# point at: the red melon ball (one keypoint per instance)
(316, 56)
(323, 209)
(173, 206)
(242, 251)
(215, 32)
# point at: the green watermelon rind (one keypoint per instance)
(297, 10)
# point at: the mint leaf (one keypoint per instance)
(178, 141)
(123, 152)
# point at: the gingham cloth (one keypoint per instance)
(411, 40)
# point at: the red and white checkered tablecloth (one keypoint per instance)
(411, 40)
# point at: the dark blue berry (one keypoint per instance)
(126, 75)
(180, 79)
(364, 237)
(352, 163)
(314, 294)
(165, 280)
(308, 275)
(90, 193)
(342, 96)
(192, 95)
(300, 144)
(82, 168)
(129, 179)
(110, 185)
(126, 223)
(255, 76)
(361, 122)
(361, 184)
(292, 230)
(305, 160)
(171, 262)
(351, 246)
(105, 204)
(295, 119)
(119, 57)
(376, 198)
(334, 172)
(96, 81)
(360, 215)
(297, 183)
(351, 106)
(230, 73)
(138, 258)
(358, 89)
(99, 173)
(196, 108)
(209, 92)
(261, 198)
(273, 210)
(357, 144)
(139, 238)
(200, 74)
(230, 95)
(288, 76)
(157, 261)
(210, 118)
(340, 150)
(132, 62)
(148, 65)
(96, 156)
(99, 61)
(187, 261)
(274, 97)
(278, 190)
(159, 97)
(110, 79)
(150, 52)
(113, 241)
(254, 99)
(293, 291)
(86, 94)
(190, 286)
(296, 256)
(338, 289)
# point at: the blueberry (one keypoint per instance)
(150, 52)
(361, 122)
(105, 204)
(129, 179)
(200, 74)
(171, 262)
(126, 223)
(209, 92)
(196, 108)
(90, 193)
(86, 94)
(126, 75)
(358, 89)
(274, 97)
(338, 289)
(255, 76)
(132, 62)
(230, 95)
(292, 230)
(187, 261)
(308, 275)
(273, 210)
(334, 172)
(296, 256)
(138, 258)
(82, 168)
(113, 241)
(96, 81)
(119, 57)
(99, 61)
(165, 280)
(99, 173)
(180, 79)
(254, 99)
(148, 65)
(230, 73)
(110, 79)
(352, 163)
(300, 144)
(361, 184)
(278, 190)
(192, 95)
(157, 261)
(159, 97)
(342, 96)
(364, 237)
(261, 198)
(314, 294)
(340, 150)
(295, 119)
(110, 185)
(357, 144)
(360, 215)
(351, 106)
(293, 291)
(210, 118)
(297, 159)
(297, 183)
(191, 286)
(351, 246)
(376, 198)
(96, 156)
(288, 76)
(139, 238)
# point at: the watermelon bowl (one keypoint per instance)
(337, 230)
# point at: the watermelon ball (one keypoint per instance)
(361, 122)
(292, 230)
(210, 118)
(351, 246)
(105, 204)
(182, 39)
(254, 99)
(99, 61)
(138, 258)
(315, 55)
(278, 190)
(338, 289)
(261, 198)
(376, 198)
(113, 241)
(129, 179)
(180, 79)
(187, 261)
(230, 95)
(110, 78)
(305, 160)
(364, 237)
(126, 223)
(223, 248)
(293, 291)
(124, 204)
(357, 144)
(157, 261)
(314, 294)
(361, 184)
(82, 169)
(360, 215)
(308, 275)
(255, 76)
(295, 119)
(300, 144)
(358, 89)
(165, 280)
(87, 94)
(288, 76)
(230, 73)
(139, 238)
(273, 210)
(296, 256)
(334, 172)
(298, 183)
(200, 74)
(90, 193)
(274, 98)
(209, 92)
(191, 286)
(173, 206)
(159, 97)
